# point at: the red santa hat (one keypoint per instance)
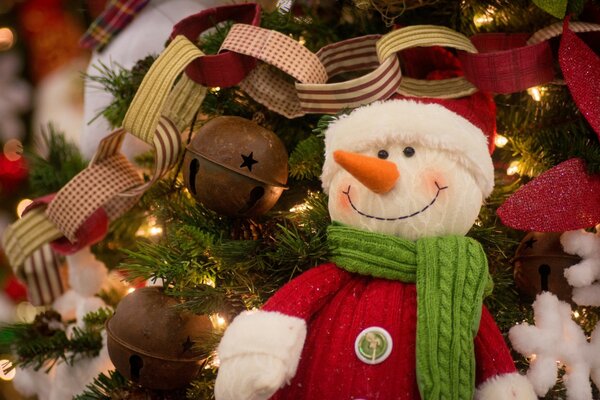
(464, 128)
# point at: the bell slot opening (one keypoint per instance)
(544, 271)
(135, 366)
(194, 167)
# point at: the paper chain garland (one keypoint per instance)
(79, 214)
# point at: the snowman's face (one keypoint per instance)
(433, 196)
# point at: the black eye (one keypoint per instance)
(383, 154)
(409, 151)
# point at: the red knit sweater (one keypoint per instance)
(337, 305)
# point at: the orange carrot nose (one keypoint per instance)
(378, 175)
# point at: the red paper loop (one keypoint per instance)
(506, 64)
(91, 231)
(226, 68)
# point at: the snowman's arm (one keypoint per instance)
(497, 377)
(261, 349)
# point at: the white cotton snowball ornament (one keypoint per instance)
(87, 275)
(145, 35)
(71, 380)
(584, 276)
(30, 382)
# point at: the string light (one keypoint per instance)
(23, 204)
(301, 207)
(500, 141)
(150, 228)
(576, 314)
(484, 18)
(13, 149)
(7, 39)
(215, 90)
(302, 41)
(218, 322)
(513, 168)
(536, 92)
(7, 372)
(130, 290)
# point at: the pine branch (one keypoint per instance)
(306, 161)
(122, 84)
(49, 174)
(45, 341)
(105, 387)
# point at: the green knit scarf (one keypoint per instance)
(452, 277)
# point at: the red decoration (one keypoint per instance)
(561, 199)
(12, 174)
(15, 290)
(581, 70)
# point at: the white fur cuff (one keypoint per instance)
(506, 387)
(267, 333)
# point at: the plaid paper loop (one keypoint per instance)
(428, 35)
(351, 55)
(115, 17)
(98, 185)
(509, 63)
(278, 50)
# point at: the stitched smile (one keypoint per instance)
(439, 189)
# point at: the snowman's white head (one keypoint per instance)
(407, 169)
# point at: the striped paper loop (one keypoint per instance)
(450, 88)
(346, 56)
(41, 274)
(556, 29)
(26, 235)
(422, 36)
(145, 110)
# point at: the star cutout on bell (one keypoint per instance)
(529, 243)
(187, 345)
(249, 161)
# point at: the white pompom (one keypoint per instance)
(86, 273)
(29, 382)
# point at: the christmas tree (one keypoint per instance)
(221, 201)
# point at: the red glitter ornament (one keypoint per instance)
(563, 198)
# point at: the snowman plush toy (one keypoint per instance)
(398, 312)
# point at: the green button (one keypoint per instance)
(373, 345)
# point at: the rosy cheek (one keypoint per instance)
(429, 180)
(342, 200)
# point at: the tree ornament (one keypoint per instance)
(236, 167)
(400, 305)
(584, 276)
(563, 198)
(540, 264)
(150, 341)
(556, 339)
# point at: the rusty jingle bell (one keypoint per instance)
(235, 167)
(150, 340)
(540, 264)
